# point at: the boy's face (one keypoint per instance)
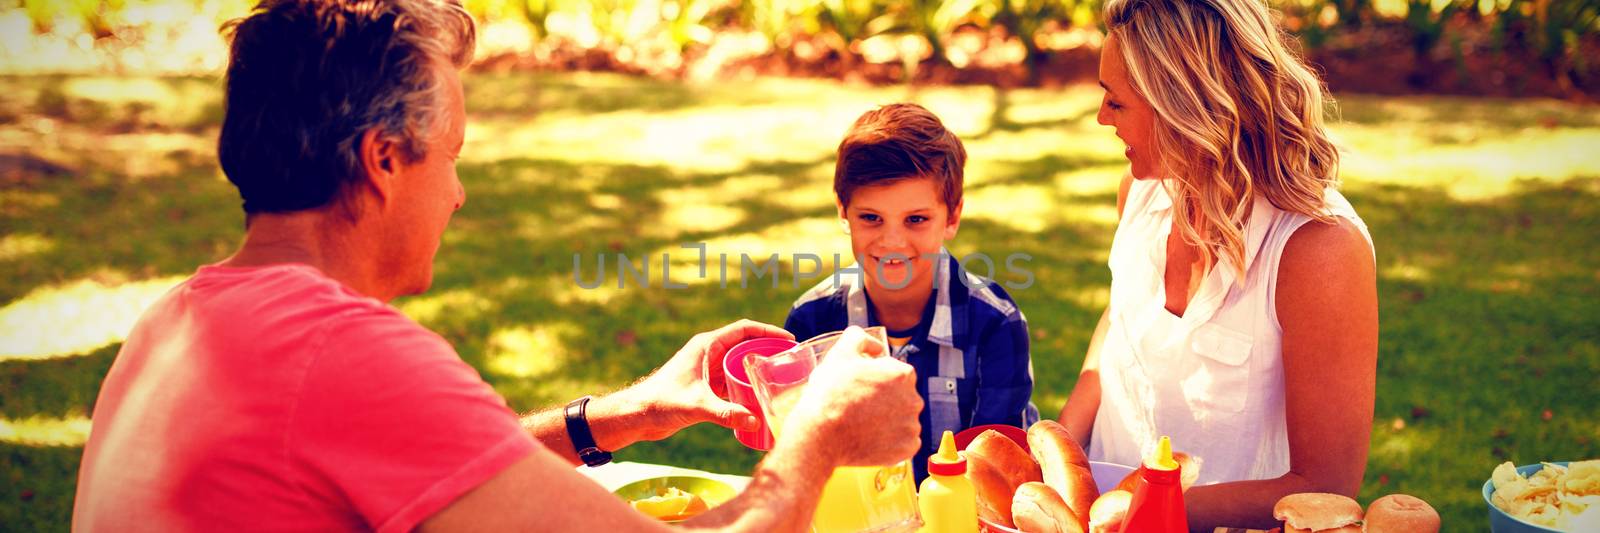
(896, 230)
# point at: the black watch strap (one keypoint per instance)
(577, 415)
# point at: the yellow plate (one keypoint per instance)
(712, 491)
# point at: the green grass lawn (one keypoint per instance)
(1484, 213)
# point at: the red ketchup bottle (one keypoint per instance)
(1157, 505)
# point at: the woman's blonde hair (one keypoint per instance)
(1238, 114)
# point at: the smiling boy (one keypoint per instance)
(897, 184)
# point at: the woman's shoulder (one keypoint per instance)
(1334, 228)
(1325, 262)
(1340, 236)
(1338, 241)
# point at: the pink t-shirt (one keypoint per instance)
(275, 398)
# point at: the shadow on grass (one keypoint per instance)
(1000, 120)
(39, 488)
(588, 93)
(117, 105)
(1456, 111)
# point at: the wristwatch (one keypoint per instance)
(578, 432)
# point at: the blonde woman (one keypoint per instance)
(1243, 317)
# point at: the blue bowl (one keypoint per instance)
(1499, 521)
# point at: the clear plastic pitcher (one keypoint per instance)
(856, 499)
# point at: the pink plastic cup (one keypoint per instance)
(741, 392)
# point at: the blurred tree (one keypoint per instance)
(625, 22)
(936, 20)
(685, 20)
(42, 13)
(99, 17)
(775, 19)
(1553, 32)
(1426, 20)
(1024, 19)
(1312, 21)
(1352, 12)
(537, 14)
(851, 21)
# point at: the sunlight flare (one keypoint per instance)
(531, 352)
(72, 430)
(75, 318)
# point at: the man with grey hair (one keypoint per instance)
(277, 390)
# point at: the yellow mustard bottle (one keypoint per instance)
(946, 498)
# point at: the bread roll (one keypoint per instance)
(997, 466)
(1064, 466)
(1109, 510)
(1001, 451)
(1053, 437)
(1078, 489)
(1037, 508)
(992, 488)
(1131, 481)
(1401, 513)
(1190, 472)
(1317, 511)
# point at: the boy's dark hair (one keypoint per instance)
(307, 78)
(895, 142)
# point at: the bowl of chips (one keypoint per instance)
(1544, 497)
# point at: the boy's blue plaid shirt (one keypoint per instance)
(970, 349)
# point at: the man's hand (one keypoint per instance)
(685, 391)
(689, 388)
(860, 407)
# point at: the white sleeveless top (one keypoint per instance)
(1213, 378)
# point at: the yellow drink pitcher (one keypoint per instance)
(856, 499)
(948, 502)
